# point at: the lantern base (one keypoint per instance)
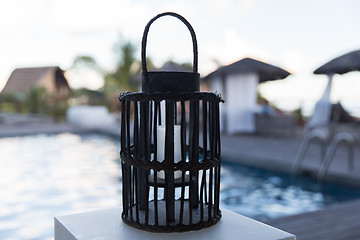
(200, 218)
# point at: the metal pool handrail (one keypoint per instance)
(304, 147)
(344, 137)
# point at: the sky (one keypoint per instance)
(298, 36)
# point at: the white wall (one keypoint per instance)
(241, 94)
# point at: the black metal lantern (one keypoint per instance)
(170, 150)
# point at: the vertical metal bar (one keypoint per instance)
(207, 121)
(204, 121)
(128, 145)
(211, 129)
(212, 148)
(214, 185)
(218, 188)
(183, 131)
(123, 129)
(169, 158)
(136, 156)
(159, 113)
(215, 189)
(136, 149)
(210, 191)
(183, 159)
(147, 143)
(128, 125)
(205, 186)
(136, 130)
(217, 128)
(191, 157)
(191, 198)
(143, 145)
(194, 151)
(123, 152)
(149, 158)
(167, 204)
(204, 132)
(136, 195)
(156, 214)
(156, 209)
(182, 200)
(124, 192)
(131, 190)
(150, 125)
(219, 155)
(202, 198)
(175, 112)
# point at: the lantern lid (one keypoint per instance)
(171, 82)
(165, 81)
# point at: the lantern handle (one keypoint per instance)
(144, 40)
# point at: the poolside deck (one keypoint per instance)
(278, 154)
(340, 222)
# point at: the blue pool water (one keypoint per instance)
(263, 194)
(43, 176)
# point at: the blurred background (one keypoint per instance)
(88, 39)
(64, 63)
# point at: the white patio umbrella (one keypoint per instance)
(340, 65)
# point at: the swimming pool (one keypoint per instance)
(43, 176)
(263, 194)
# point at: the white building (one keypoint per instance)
(237, 84)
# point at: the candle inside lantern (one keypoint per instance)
(161, 148)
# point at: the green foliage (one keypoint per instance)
(126, 68)
(58, 108)
(12, 101)
(87, 62)
(117, 81)
(120, 80)
(36, 100)
(84, 60)
(87, 96)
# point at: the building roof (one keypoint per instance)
(265, 71)
(23, 79)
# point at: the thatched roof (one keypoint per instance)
(340, 65)
(265, 71)
(23, 79)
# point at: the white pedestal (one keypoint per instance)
(107, 225)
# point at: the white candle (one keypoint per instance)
(161, 148)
